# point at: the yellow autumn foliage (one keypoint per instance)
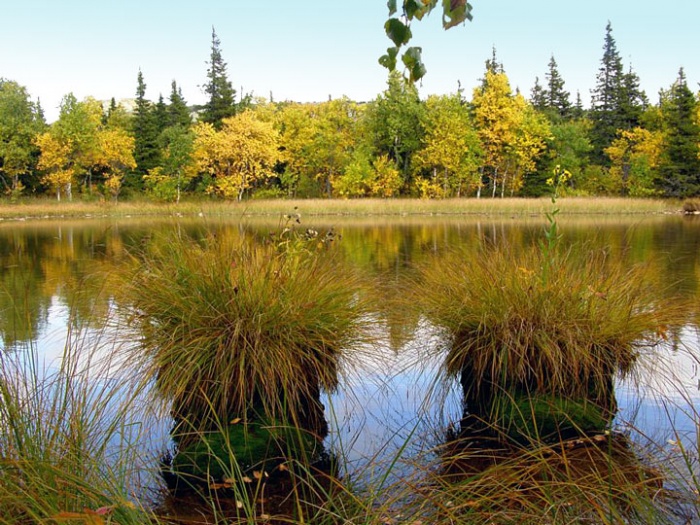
(238, 156)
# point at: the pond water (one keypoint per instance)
(56, 282)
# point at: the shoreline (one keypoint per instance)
(487, 207)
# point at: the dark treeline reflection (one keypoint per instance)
(74, 263)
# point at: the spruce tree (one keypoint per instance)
(221, 103)
(557, 97)
(538, 96)
(111, 110)
(679, 173)
(146, 152)
(605, 98)
(41, 118)
(492, 64)
(617, 103)
(160, 115)
(178, 112)
(577, 111)
(633, 101)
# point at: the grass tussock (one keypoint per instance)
(229, 326)
(527, 324)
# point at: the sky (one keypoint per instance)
(310, 50)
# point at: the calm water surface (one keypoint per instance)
(56, 281)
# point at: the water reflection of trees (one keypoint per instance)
(43, 260)
(23, 304)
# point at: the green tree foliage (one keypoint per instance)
(178, 112)
(20, 122)
(222, 96)
(78, 147)
(633, 102)
(617, 102)
(679, 173)
(160, 115)
(146, 132)
(532, 132)
(569, 148)
(557, 98)
(117, 117)
(577, 111)
(538, 96)
(394, 121)
(634, 158)
(451, 151)
(178, 169)
(70, 148)
(357, 178)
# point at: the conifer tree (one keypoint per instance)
(605, 97)
(41, 118)
(111, 109)
(221, 103)
(577, 111)
(146, 151)
(492, 65)
(557, 97)
(633, 101)
(538, 96)
(178, 113)
(617, 102)
(160, 115)
(680, 166)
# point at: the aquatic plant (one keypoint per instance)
(69, 445)
(237, 330)
(509, 334)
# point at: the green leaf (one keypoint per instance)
(418, 8)
(455, 12)
(391, 5)
(413, 62)
(414, 8)
(389, 60)
(397, 31)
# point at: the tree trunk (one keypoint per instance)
(494, 184)
(177, 199)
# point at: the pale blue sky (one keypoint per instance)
(310, 49)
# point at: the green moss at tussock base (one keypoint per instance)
(242, 448)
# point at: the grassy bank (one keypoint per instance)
(45, 208)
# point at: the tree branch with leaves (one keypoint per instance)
(398, 29)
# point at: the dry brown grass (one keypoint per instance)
(45, 208)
